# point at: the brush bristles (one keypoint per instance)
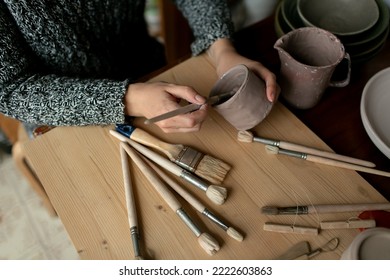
(235, 234)
(217, 194)
(271, 149)
(208, 243)
(245, 136)
(212, 169)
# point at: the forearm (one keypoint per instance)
(59, 101)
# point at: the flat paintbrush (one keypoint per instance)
(205, 240)
(247, 136)
(323, 208)
(216, 194)
(130, 203)
(326, 161)
(205, 166)
(194, 202)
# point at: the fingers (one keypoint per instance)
(190, 122)
(272, 87)
(185, 92)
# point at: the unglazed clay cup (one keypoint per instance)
(249, 104)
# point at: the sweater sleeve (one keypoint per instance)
(40, 98)
(209, 21)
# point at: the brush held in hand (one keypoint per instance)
(205, 166)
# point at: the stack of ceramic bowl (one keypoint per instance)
(361, 25)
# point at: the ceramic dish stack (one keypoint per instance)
(361, 25)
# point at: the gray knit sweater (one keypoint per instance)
(68, 62)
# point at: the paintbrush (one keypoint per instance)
(216, 194)
(206, 241)
(130, 203)
(323, 208)
(205, 166)
(195, 203)
(326, 161)
(247, 136)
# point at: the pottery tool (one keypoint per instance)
(196, 203)
(323, 208)
(216, 194)
(303, 251)
(205, 240)
(326, 161)
(349, 224)
(191, 107)
(130, 203)
(282, 228)
(205, 166)
(247, 136)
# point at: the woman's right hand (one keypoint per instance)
(152, 99)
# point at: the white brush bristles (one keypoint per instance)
(245, 136)
(217, 194)
(208, 243)
(272, 149)
(212, 169)
(235, 234)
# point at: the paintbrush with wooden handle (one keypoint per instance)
(194, 202)
(216, 194)
(205, 166)
(206, 241)
(247, 136)
(326, 161)
(130, 204)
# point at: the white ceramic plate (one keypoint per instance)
(375, 110)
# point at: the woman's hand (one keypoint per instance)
(153, 99)
(225, 56)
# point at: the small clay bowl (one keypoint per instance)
(347, 17)
(248, 105)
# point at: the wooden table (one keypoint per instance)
(81, 171)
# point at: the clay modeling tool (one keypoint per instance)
(190, 108)
(323, 208)
(194, 202)
(205, 166)
(329, 246)
(130, 203)
(205, 240)
(283, 228)
(348, 224)
(326, 161)
(216, 194)
(247, 136)
(300, 249)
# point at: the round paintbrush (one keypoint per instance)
(247, 136)
(196, 203)
(205, 240)
(216, 194)
(130, 203)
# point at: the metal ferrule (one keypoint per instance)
(187, 220)
(293, 210)
(293, 154)
(135, 240)
(213, 218)
(189, 159)
(195, 180)
(266, 141)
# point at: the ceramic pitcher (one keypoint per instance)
(309, 57)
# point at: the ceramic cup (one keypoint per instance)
(248, 105)
(370, 244)
(309, 57)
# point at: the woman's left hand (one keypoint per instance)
(225, 56)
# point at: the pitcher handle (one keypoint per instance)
(344, 82)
